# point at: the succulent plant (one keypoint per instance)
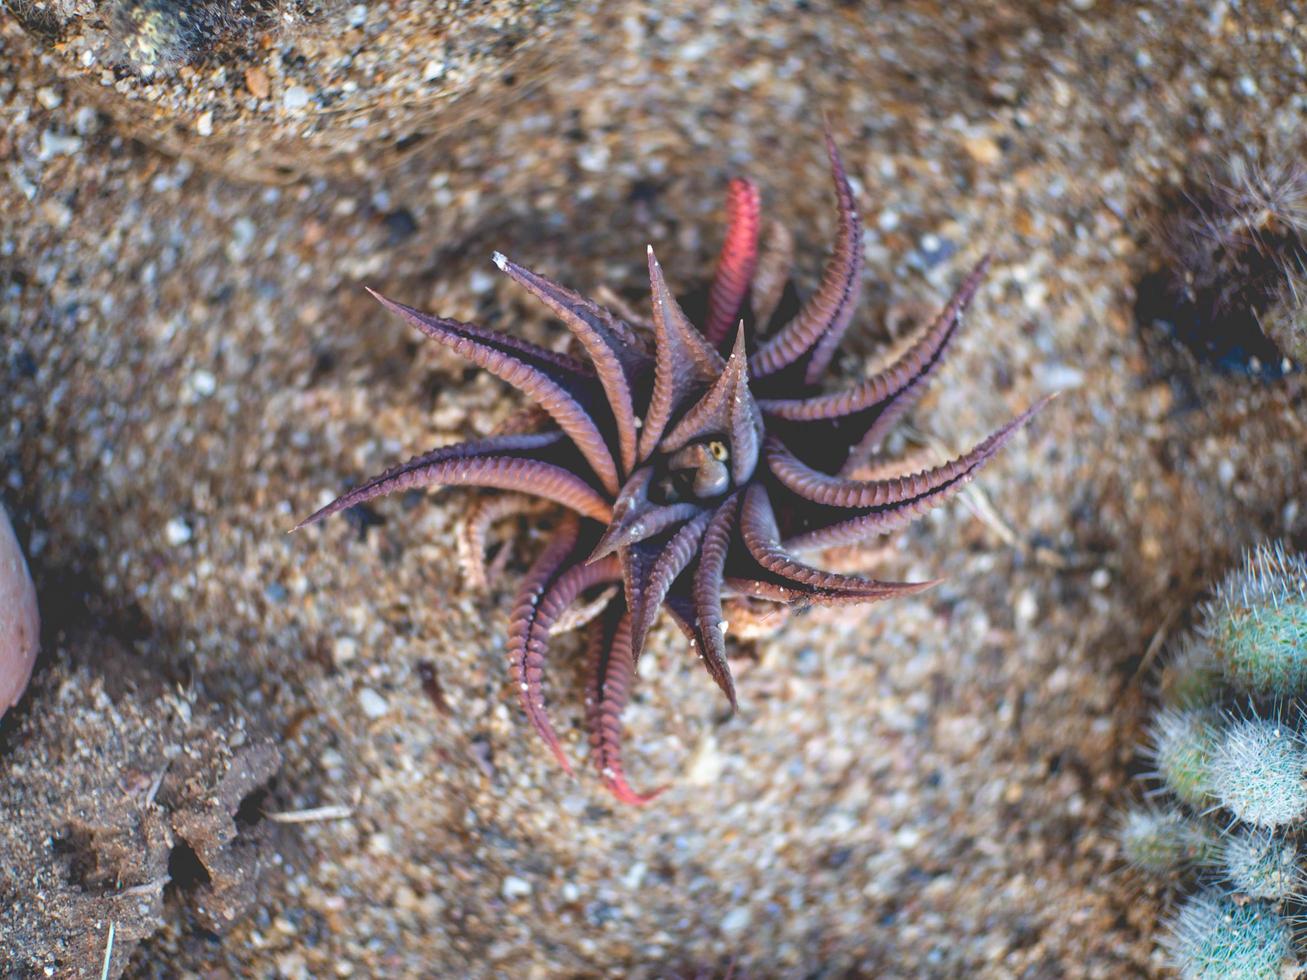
(1257, 772)
(1234, 247)
(698, 461)
(1182, 744)
(157, 35)
(1164, 842)
(1216, 937)
(1261, 863)
(1256, 624)
(1229, 745)
(1191, 678)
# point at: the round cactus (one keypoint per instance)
(1235, 242)
(1258, 770)
(1219, 938)
(163, 34)
(1182, 747)
(1257, 624)
(1261, 864)
(1229, 744)
(1166, 841)
(1192, 678)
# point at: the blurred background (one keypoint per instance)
(257, 754)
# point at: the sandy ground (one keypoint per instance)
(188, 364)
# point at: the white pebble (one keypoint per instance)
(177, 532)
(86, 120)
(1058, 377)
(1027, 608)
(515, 887)
(705, 764)
(372, 703)
(203, 383)
(295, 98)
(736, 920)
(55, 144)
(593, 157)
(344, 650)
(634, 877)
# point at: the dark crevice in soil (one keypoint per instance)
(250, 811)
(1228, 342)
(185, 868)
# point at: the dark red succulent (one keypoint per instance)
(695, 464)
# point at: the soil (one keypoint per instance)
(230, 758)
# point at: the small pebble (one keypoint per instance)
(1027, 608)
(984, 150)
(203, 383)
(372, 703)
(256, 83)
(177, 532)
(296, 98)
(343, 651)
(515, 887)
(1058, 377)
(56, 145)
(86, 121)
(736, 920)
(705, 765)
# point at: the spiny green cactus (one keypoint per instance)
(1229, 743)
(1261, 864)
(1182, 743)
(1257, 624)
(1214, 937)
(1235, 242)
(1167, 841)
(1258, 772)
(1192, 678)
(163, 34)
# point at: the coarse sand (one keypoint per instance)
(230, 758)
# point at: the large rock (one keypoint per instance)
(19, 623)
